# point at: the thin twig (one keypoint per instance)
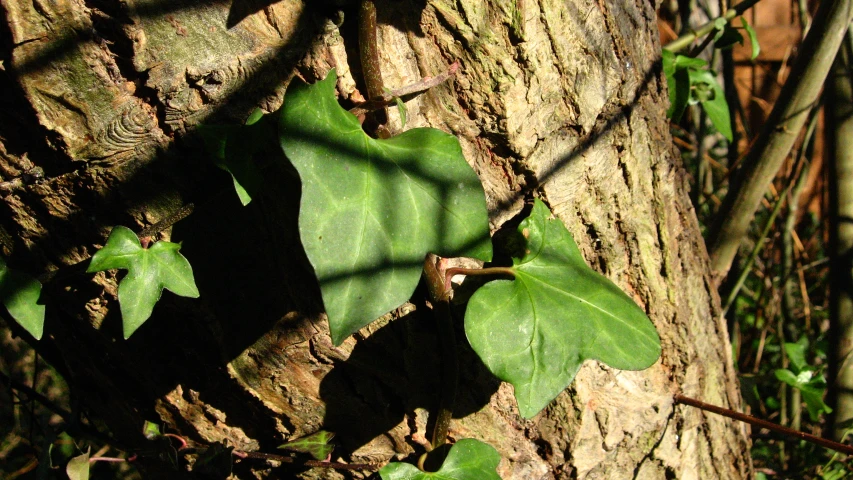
(385, 98)
(838, 447)
(308, 463)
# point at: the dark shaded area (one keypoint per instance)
(395, 371)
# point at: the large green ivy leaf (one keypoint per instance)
(535, 331)
(372, 209)
(19, 293)
(150, 270)
(316, 444)
(468, 459)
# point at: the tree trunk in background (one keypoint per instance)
(563, 100)
(839, 128)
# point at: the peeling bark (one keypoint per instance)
(559, 99)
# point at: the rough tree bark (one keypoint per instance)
(562, 100)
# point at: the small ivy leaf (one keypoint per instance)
(254, 117)
(150, 430)
(78, 467)
(149, 272)
(797, 354)
(709, 92)
(401, 108)
(753, 38)
(668, 61)
(683, 61)
(719, 27)
(727, 38)
(316, 444)
(812, 387)
(468, 459)
(535, 331)
(372, 209)
(679, 86)
(234, 148)
(20, 293)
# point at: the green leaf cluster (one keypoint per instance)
(372, 209)
(468, 459)
(690, 82)
(150, 270)
(20, 294)
(805, 378)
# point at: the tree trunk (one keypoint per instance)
(560, 100)
(839, 127)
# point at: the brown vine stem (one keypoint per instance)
(475, 272)
(838, 447)
(307, 463)
(388, 98)
(440, 299)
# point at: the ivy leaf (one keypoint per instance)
(811, 385)
(150, 430)
(753, 38)
(78, 467)
(150, 270)
(20, 292)
(468, 459)
(233, 149)
(372, 209)
(727, 38)
(401, 107)
(797, 354)
(708, 91)
(317, 444)
(535, 331)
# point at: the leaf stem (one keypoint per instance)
(838, 447)
(387, 98)
(475, 272)
(440, 299)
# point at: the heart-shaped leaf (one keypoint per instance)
(317, 444)
(150, 270)
(78, 467)
(372, 209)
(535, 331)
(468, 459)
(19, 293)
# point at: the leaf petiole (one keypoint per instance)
(474, 272)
